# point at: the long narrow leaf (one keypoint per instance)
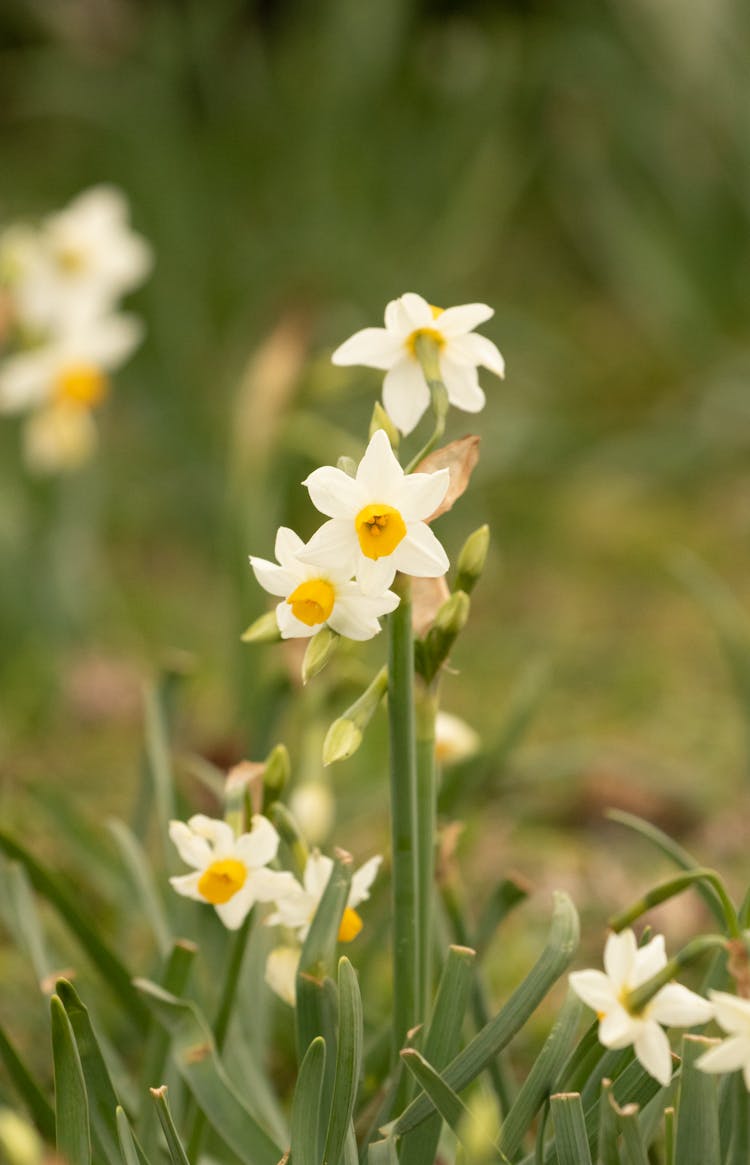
(607, 1153)
(31, 1094)
(128, 1151)
(634, 1150)
(450, 1106)
(571, 1141)
(348, 1062)
(555, 958)
(697, 1140)
(306, 1139)
(177, 1154)
(147, 898)
(73, 1136)
(19, 909)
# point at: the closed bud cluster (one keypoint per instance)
(472, 559)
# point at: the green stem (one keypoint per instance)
(637, 999)
(426, 711)
(675, 886)
(403, 814)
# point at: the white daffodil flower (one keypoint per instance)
(229, 871)
(313, 808)
(627, 966)
(314, 595)
(70, 368)
(377, 519)
(733, 1015)
(296, 908)
(455, 740)
(87, 257)
(406, 395)
(281, 972)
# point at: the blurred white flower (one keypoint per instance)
(312, 805)
(281, 972)
(406, 395)
(296, 908)
(86, 257)
(455, 740)
(58, 437)
(315, 595)
(733, 1015)
(628, 966)
(377, 521)
(229, 871)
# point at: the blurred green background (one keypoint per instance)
(585, 169)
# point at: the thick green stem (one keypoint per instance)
(426, 711)
(403, 815)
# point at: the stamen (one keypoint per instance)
(351, 925)
(312, 601)
(81, 384)
(221, 880)
(379, 528)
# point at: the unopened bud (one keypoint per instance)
(263, 630)
(290, 833)
(318, 652)
(278, 769)
(449, 622)
(472, 559)
(19, 1142)
(452, 616)
(381, 420)
(345, 734)
(347, 465)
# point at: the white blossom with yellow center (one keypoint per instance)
(230, 872)
(314, 596)
(393, 348)
(377, 524)
(733, 1015)
(296, 908)
(627, 966)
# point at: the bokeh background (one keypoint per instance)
(585, 169)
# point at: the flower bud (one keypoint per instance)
(347, 465)
(381, 420)
(472, 559)
(278, 769)
(318, 652)
(345, 734)
(263, 630)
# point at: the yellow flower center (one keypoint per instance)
(71, 260)
(221, 880)
(431, 333)
(379, 528)
(351, 925)
(312, 601)
(81, 384)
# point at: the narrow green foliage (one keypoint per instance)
(348, 1062)
(147, 897)
(27, 1088)
(194, 1054)
(158, 759)
(634, 1150)
(697, 1139)
(571, 1141)
(20, 910)
(128, 1152)
(607, 1153)
(177, 1154)
(174, 980)
(738, 1150)
(555, 958)
(669, 1136)
(318, 954)
(112, 970)
(507, 895)
(542, 1078)
(73, 1136)
(449, 1105)
(673, 886)
(306, 1107)
(382, 1152)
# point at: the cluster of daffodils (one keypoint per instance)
(61, 331)
(378, 517)
(627, 967)
(232, 872)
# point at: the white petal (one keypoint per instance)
(420, 553)
(379, 473)
(406, 396)
(290, 627)
(652, 1049)
(462, 385)
(728, 1056)
(334, 493)
(676, 1006)
(417, 310)
(731, 1012)
(455, 321)
(362, 880)
(274, 579)
(272, 885)
(287, 546)
(281, 972)
(260, 845)
(474, 350)
(217, 832)
(187, 886)
(648, 961)
(594, 988)
(619, 957)
(111, 340)
(375, 575)
(397, 320)
(374, 347)
(25, 380)
(234, 912)
(194, 850)
(334, 546)
(317, 872)
(420, 494)
(350, 619)
(617, 1029)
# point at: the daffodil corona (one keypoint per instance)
(459, 352)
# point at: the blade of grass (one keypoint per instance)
(177, 1154)
(20, 912)
(450, 1106)
(128, 1152)
(348, 1062)
(697, 1140)
(571, 1142)
(147, 897)
(73, 1136)
(607, 1153)
(306, 1106)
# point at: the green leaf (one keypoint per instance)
(450, 1106)
(555, 958)
(102, 1098)
(174, 980)
(147, 898)
(607, 1153)
(441, 1044)
(571, 1141)
(348, 1062)
(738, 1150)
(112, 970)
(382, 1152)
(20, 912)
(73, 1136)
(194, 1055)
(177, 1154)
(634, 1150)
(542, 1078)
(697, 1134)
(27, 1088)
(509, 894)
(306, 1106)
(158, 759)
(128, 1151)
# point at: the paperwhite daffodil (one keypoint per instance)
(377, 519)
(733, 1015)
(314, 595)
(627, 966)
(455, 740)
(86, 258)
(406, 395)
(70, 368)
(296, 908)
(281, 972)
(313, 808)
(229, 871)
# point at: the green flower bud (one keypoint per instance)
(345, 734)
(263, 630)
(318, 652)
(381, 420)
(472, 559)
